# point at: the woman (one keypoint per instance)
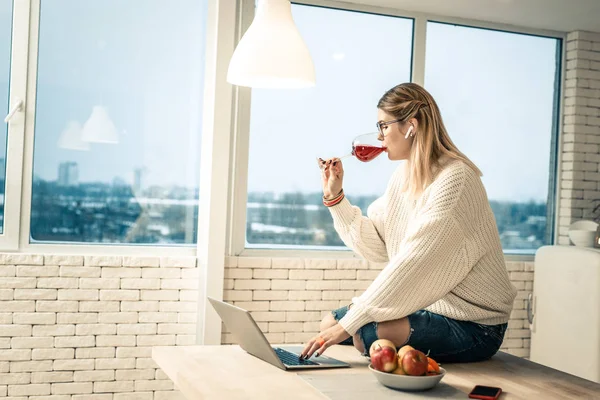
(445, 289)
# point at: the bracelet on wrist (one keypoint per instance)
(337, 200)
(334, 202)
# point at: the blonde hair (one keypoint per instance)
(431, 141)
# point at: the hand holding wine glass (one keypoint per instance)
(332, 176)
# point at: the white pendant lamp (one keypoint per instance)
(70, 138)
(272, 53)
(99, 128)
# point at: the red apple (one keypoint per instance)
(383, 355)
(384, 360)
(415, 363)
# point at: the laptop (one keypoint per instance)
(252, 340)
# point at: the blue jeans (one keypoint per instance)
(447, 340)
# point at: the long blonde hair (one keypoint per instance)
(431, 141)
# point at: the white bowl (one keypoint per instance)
(583, 225)
(582, 238)
(407, 382)
(582, 233)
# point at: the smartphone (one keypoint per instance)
(485, 392)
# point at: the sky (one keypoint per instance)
(495, 91)
(143, 60)
(145, 65)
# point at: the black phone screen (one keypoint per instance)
(485, 391)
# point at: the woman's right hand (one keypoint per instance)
(332, 177)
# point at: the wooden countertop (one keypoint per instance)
(228, 372)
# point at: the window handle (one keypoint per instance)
(17, 107)
(529, 307)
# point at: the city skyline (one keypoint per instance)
(103, 213)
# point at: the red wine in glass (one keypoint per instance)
(366, 152)
(364, 147)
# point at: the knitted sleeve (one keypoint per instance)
(362, 234)
(431, 262)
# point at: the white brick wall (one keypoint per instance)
(580, 169)
(82, 328)
(289, 310)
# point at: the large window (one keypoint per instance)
(497, 92)
(6, 12)
(106, 149)
(357, 57)
(118, 121)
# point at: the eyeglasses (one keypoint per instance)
(381, 124)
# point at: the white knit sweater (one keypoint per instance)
(443, 252)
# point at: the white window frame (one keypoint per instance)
(9, 239)
(21, 168)
(237, 224)
(223, 31)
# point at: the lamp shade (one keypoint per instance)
(99, 128)
(70, 138)
(272, 53)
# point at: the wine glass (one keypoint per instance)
(365, 148)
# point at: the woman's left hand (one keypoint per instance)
(330, 336)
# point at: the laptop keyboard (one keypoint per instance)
(289, 358)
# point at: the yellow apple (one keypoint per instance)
(399, 370)
(403, 351)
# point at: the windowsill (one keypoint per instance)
(519, 257)
(297, 253)
(105, 250)
(344, 254)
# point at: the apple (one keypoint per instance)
(403, 351)
(399, 371)
(381, 343)
(415, 363)
(384, 360)
(383, 355)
